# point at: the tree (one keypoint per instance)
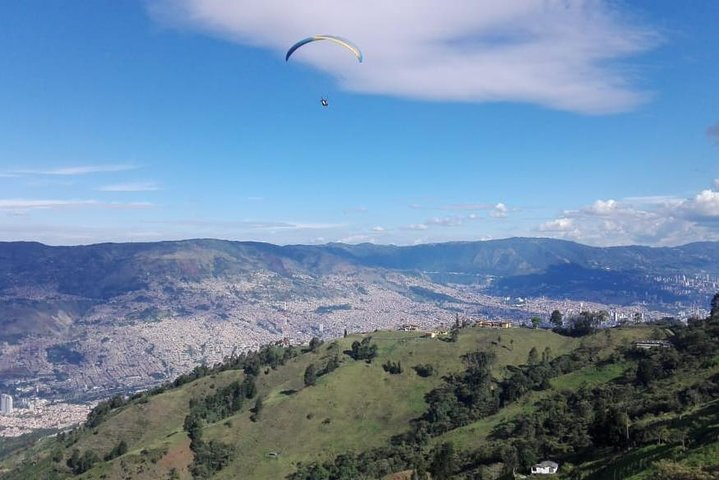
(424, 370)
(618, 428)
(332, 364)
(442, 462)
(257, 409)
(556, 319)
(546, 355)
(533, 357)
(315, 344)
(74, 459)
(535, 322)
(454, 334)
(648, 370)
(715, 305)
(310, 375)
(57, 455)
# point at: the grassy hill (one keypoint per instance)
(356, 408)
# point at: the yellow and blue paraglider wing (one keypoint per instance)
(338, 40)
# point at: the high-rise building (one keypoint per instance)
(5, 404)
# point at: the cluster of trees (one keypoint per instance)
(82, 463)
(622, 415)
(393, 368)
(315, 344)
(98, 414)
(363, 350)
(250, 362)
(463, 398)
(535, 375)
(424, 370)
(208, 457)
(376, 463)
(117, 450)
(312, 372)
(224, 402)
(580, 325)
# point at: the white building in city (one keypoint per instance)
(5, 404)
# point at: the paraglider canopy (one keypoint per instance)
(338, 40)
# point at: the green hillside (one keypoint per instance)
(360, 416)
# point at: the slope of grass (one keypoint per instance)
(359, 405)
(354, 408)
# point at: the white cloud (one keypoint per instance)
(130, 187)
(358, 238)
(499, 211)
(601, 207)
(71, 171)
(559, 54)
(704, 204)
(559, 225)
(378, 229)
(453, 221)
(658, 220)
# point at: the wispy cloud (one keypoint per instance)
(496, 210)
(23, 204)
(713, 133)
(267, 225)
(558, 54)
(130, 187)
(70, 171)
(416, 226)
(352, 210)
(467, 206)
(450, 221)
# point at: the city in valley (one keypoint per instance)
(133, 343)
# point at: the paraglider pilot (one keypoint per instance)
(324, 102)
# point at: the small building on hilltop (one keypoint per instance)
(547, 467)
(492, 324)
(647, 344)
(408, 327)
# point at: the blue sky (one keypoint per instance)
(592, 121)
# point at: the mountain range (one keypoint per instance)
(79, 317)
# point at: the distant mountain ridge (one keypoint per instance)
(520, 256)
(101, 271)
